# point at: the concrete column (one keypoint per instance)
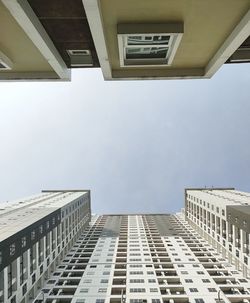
(5, 278)
(18, 272)
(233, 235)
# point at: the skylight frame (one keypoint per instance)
(124, 31)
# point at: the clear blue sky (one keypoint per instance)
(135, 144)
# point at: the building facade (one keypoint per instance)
(127, 258)
(35, 235)
(222, 217)
(158, 258)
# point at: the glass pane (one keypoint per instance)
(148, 40)
(146, 53)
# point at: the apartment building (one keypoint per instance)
(160, 39)
(51, 252)
(156, 258)
(35, 235)
(222, 217)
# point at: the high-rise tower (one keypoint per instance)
(35, 235)
(222, 217)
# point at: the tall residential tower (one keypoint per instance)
(35, 235)
(222, 217)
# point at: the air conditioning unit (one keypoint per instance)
(80, 57)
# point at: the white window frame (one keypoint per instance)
(174, 31)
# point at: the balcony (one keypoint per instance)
(119, 282)
(218, 273)
(119, 273)
(166, 282)
(169, 291)
(65, 291)
(166, 273)
(236, 291)
(118, 291)
(223, 281)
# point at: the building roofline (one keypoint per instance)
(64, 190)
(137, 214)
(209, 188)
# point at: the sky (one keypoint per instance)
(135, 144)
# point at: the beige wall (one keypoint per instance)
(206, 25)
(16, 45)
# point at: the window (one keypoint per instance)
(84, 290)
(196, 265)
(102, 290)
(151, 281)
(136, 272)
(23, 242)
(212, 290)
(184, 272)
(106, 273)
(104, 280)
(188, 280)
(136, 280)
(146, 48)
(205, 280)
(180, 265)
(33, 235)
(150, 272)
(99, 300)
(138, 301)
(12, 249)
(193, 289)
(199, 300)
(87, 281)
(153, 289)
(156, 301)
(200, 272)
(137, 290)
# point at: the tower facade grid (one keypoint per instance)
(126, 258)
